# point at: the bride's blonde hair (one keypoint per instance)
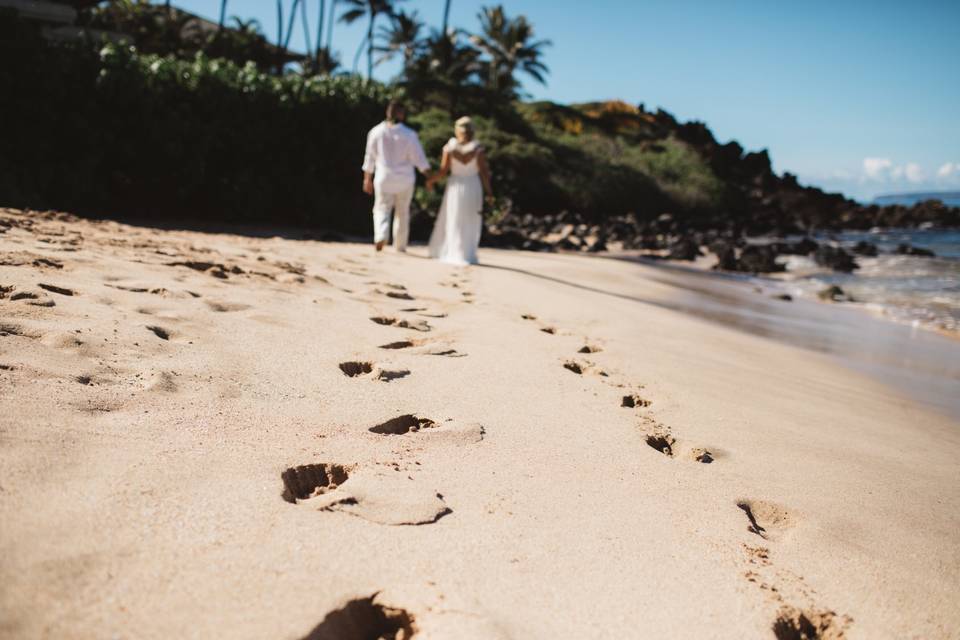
(464, 124)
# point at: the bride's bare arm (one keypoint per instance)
(441, 172)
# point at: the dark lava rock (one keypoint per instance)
(833, 293)
(684, 249)
(786, 297)
(835, 258)
(726, 258)
(759, 259)
(907, 250)
(802, 248)
(864, 248)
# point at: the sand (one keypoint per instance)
(205, 436)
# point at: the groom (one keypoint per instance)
(393, 151)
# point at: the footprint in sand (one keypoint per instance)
(355, 369)
(370, 617)
(214, 269)
(416, 325)
(364, 619)
(63, 291)
(160, 332)
(448, 353)
(662, 442)
(380, 497)
(423, 311)
(797, 624)
(386, 375)
(400, 344)
(633, 401)
(792, 623)
(226, 307)
(589, 348)
(311, 480)
(549, 330)
(32, 298)
(660, 439)
(164, 382)
(396, 295)
(582, 367)
(425, 428)
(403, 424)
(766, 519)
(8, 329)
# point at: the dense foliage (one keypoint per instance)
(170, 130)
(114, 131)
(117, 132)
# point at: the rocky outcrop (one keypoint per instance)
(908, 250)
(835, 258)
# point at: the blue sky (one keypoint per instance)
(853, 96)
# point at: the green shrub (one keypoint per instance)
(118, 133)
(113, 132)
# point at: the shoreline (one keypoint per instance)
(788, 283)
(210, 435)
(918, 358)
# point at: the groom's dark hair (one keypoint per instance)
(394, 109)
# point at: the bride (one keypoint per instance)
(456, 232)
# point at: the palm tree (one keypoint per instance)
(401, 36)
(446, 16)
(223, 14)
(323, 9)
(333, 12)
(508, 44)
(445, 66)
(306, 27)
(357, 9)
(325, 63)
(293, 18)
(279, 22)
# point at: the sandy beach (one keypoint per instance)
(211, 435)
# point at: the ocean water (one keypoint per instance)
(910, 289)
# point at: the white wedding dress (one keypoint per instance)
(456, 233)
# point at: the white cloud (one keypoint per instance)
(913, 172)
(876, 168)
(883, 170)
(948, 170)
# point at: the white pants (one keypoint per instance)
(399, 203)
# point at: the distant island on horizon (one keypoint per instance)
(949, 198)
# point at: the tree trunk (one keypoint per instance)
(290, 23)
(306, 28)
(279, 36)
(446, 17)
(373, 16)
(333, 17)
(323, 10)
(356, 57)
(223, 14)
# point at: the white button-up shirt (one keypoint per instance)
(393, 151)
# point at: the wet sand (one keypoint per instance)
(922, 363)
(212, 435)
